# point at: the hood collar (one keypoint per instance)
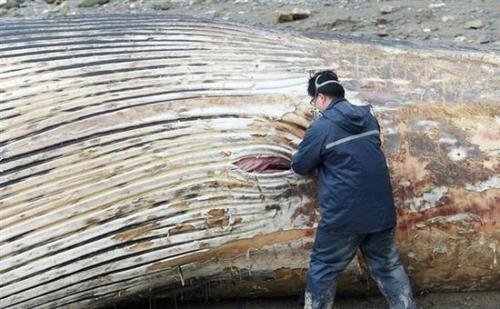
(333, 102)
(349, 117)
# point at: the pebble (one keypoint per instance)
(162, 5)
(211, 13)
(446, 19)
(381, 21)
(386, 9)
(484, 40)
(92, 3)
(9, 4)
(295, 14)
(54, 1)
(382, 33)
(459, 39)
(474, 24)
(437, 5)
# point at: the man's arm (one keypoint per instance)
(308, 155)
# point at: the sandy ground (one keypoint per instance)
(468, 23)
(471, 23)
(478, 300)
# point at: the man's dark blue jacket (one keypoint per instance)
(355, 191)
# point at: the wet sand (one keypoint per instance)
(471, 300)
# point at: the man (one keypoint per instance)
(356, 203)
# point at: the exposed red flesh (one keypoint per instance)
(263, 164)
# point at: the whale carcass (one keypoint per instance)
(150, 154)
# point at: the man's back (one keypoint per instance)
(354, 186)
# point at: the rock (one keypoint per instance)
(92, 3)
(484, 39)
(162, 5)
(459, 39)
(61, 7)
(3, 3)
(386, 9)
(54, 1)
(426, 30)
(325, 25)
(424, 14)
(285, 17)
(436, 5)
(381, 21)
(382, 33)
(295, 14)
(446, 19)
(404, 35)
(12, 3)
(474, 24)
(210, 14)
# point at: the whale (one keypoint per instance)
(150, 155)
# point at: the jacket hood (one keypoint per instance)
(349, 117)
